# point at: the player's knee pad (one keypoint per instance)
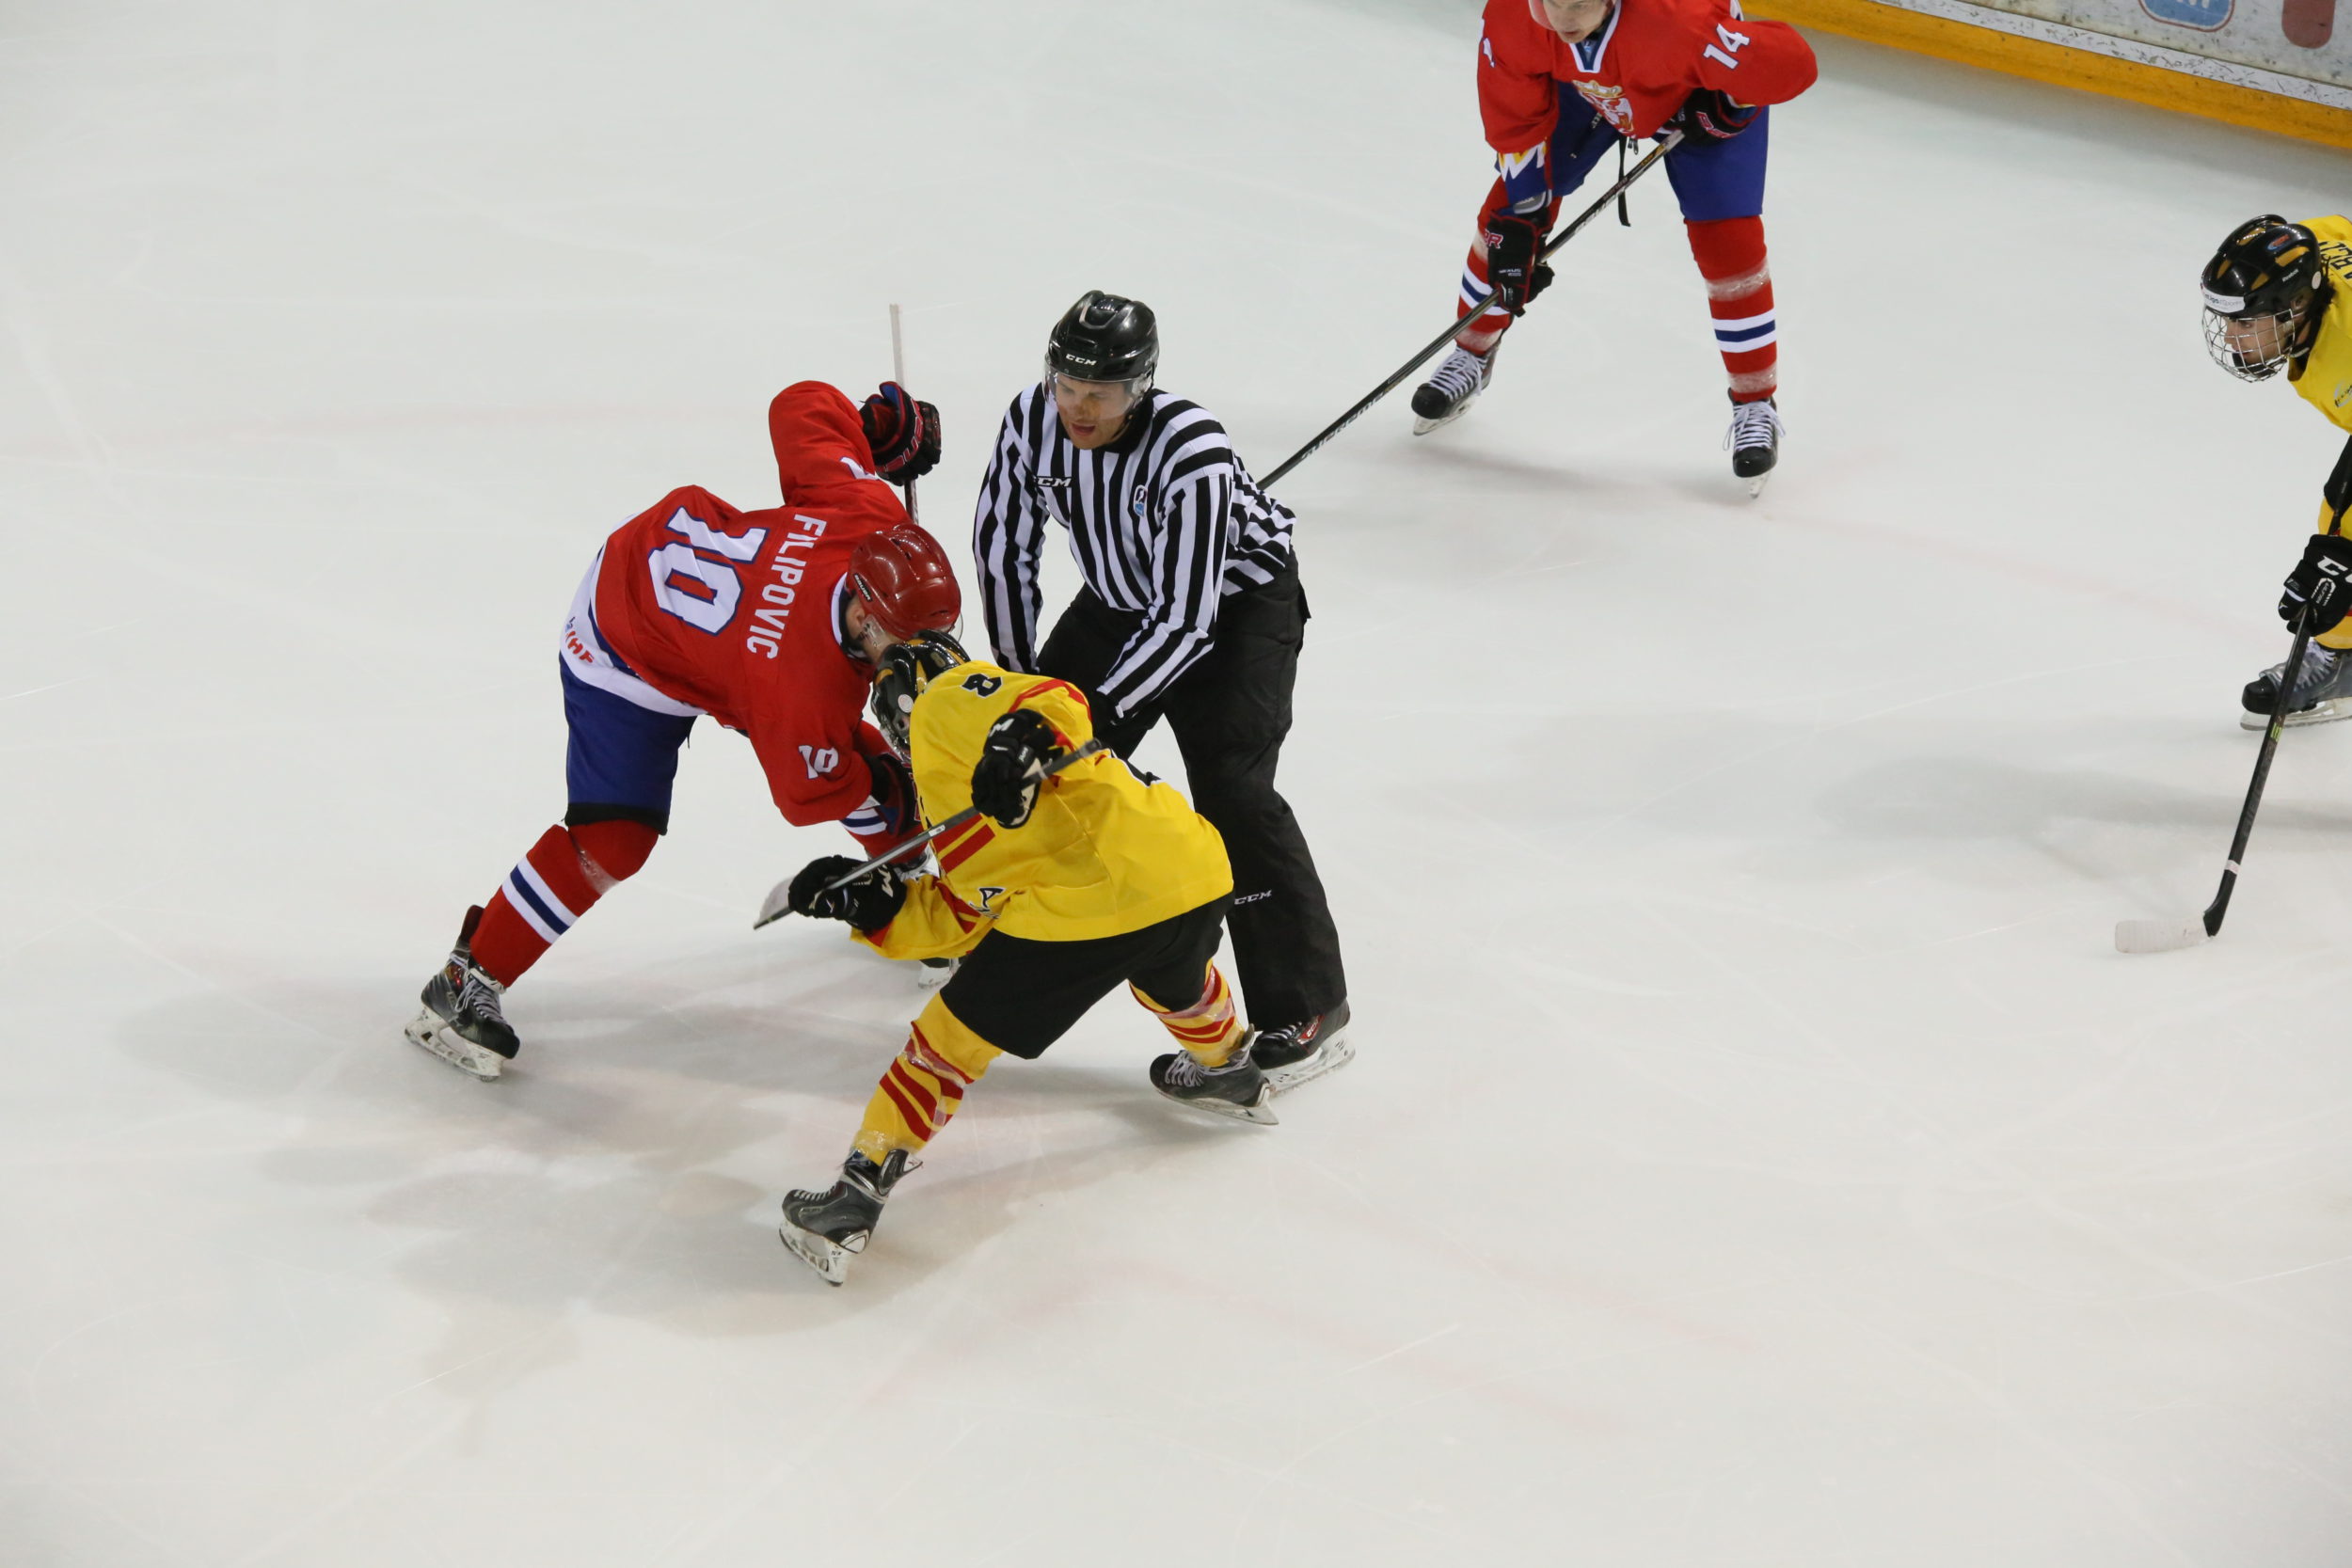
(1729, 251)
(939, 1031)
(612, 851)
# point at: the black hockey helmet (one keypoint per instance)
(2259, 290)
(1106, 338)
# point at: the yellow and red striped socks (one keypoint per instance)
(1210, 1028)
(924, 1085)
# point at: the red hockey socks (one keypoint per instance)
(1730, 254)
(1479, 336)
(550, 888)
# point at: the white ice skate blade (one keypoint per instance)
(1756, 485)
(1422, 427)
(2159, 936)
(930, 976)
(428, 1031)
(1334, 1054)
(1260, 1110)
(828, 1259)
(2318, 713)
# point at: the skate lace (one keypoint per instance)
(1462, 373)
(1756, 424)
(480, 995)
(1186, 1071)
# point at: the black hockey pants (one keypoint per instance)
(1230, 712)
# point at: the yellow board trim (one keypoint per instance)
(2067, 68)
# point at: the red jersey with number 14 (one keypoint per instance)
(1636, 70)
(736, 613)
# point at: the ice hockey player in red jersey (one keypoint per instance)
(770, 623)
(1560, 82)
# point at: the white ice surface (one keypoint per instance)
(1758, 1154)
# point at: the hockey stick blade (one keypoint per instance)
(2159, 936)
(2165, 936)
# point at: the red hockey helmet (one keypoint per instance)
(901, 576)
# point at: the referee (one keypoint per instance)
(1191, 609)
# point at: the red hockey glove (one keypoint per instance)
(903, 434)
(1710, 114)
(894, 796)
(1513, 245)
(2323, 582)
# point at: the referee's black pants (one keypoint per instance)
(1230, 712)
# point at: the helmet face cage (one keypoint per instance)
(2261, 290)
(2253, 347)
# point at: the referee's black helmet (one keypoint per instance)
(1106, 338)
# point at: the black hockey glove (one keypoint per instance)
(2323, 582)
(903, 434)
(1710, 114)
(1004, 785)
(1513, 245)
(869, 903)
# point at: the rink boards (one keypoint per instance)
(2274, 64)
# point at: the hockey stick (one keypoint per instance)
(779, 902)
(898, 374)
(2165, 936)
(1671, 140)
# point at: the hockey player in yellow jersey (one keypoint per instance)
(1066, 886)
(2278, 297)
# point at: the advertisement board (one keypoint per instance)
(2290, 47)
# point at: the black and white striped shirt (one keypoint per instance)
(1162, 521)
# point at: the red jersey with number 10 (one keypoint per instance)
(735, 612)
(1636, 70)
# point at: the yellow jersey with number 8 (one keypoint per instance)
(1105, 853)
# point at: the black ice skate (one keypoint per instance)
(1755, 441)
(823, 1228)
(463, 1022)
(1299, 1053)
(1446, 396)
(2323, 691)
(1236, 1089)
